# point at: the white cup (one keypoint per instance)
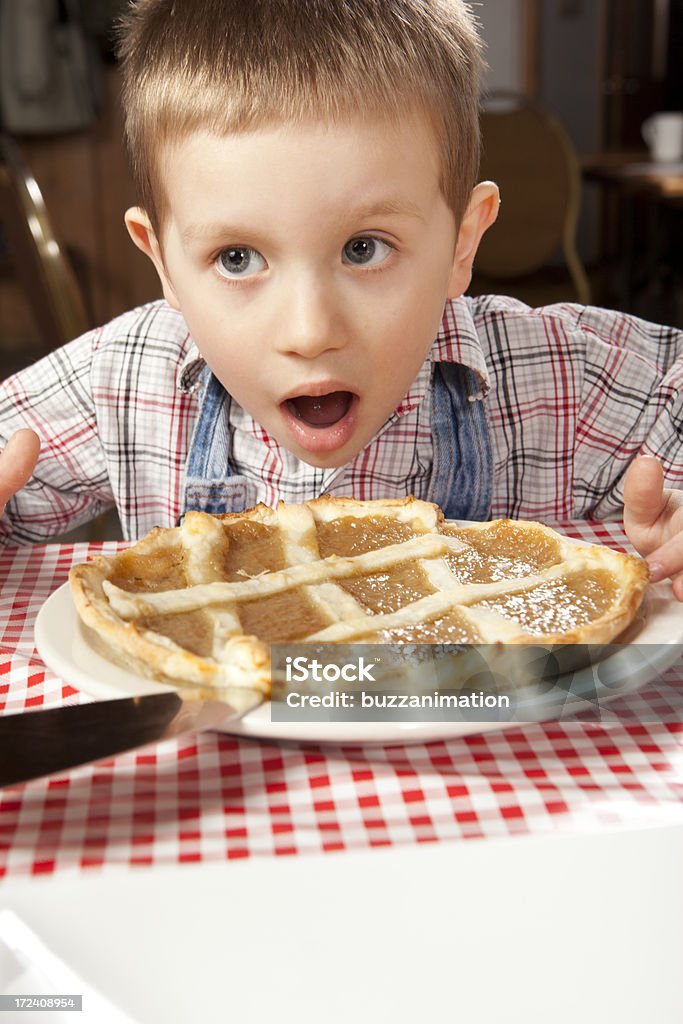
(664, 135)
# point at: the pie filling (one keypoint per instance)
(558, 606)
(348, 535)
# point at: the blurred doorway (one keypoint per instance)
(637, 73)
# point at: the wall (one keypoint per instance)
(570, 85)
(502, 28)
(570, 79)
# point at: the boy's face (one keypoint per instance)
(312, 265)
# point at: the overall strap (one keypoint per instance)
(462, 472)
(210, 484)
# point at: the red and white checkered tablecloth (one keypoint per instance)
(211, 796)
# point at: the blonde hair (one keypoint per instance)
(228, 66)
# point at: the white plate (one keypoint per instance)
(65, 650)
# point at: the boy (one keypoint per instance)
(307, 180)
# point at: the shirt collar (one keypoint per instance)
(190, 369)
(458, 341)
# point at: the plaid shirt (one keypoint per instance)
(572, 394)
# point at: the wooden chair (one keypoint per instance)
(37, 259)
(46, 277)
(530, 252)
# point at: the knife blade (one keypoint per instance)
(38, 743)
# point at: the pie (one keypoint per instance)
(201, 603)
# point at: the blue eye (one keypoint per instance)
(366, 251)
(239, 261)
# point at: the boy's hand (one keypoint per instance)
(653, 519)
(17, 462)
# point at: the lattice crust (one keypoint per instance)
(202, 603)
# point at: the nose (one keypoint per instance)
(309, 319)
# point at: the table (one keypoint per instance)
(211, 876)
(635, 171)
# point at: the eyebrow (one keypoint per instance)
(388, 206)
(204, 232)
(391, 206)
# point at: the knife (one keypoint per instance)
(38, 743)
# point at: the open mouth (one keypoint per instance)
(322, 424)
(321, 411)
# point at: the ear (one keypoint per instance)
(480, 214)
(143, 235)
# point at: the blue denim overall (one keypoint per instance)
(462, 473)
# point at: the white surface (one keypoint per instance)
(62, 645)
(29, 968)
(551, 930)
